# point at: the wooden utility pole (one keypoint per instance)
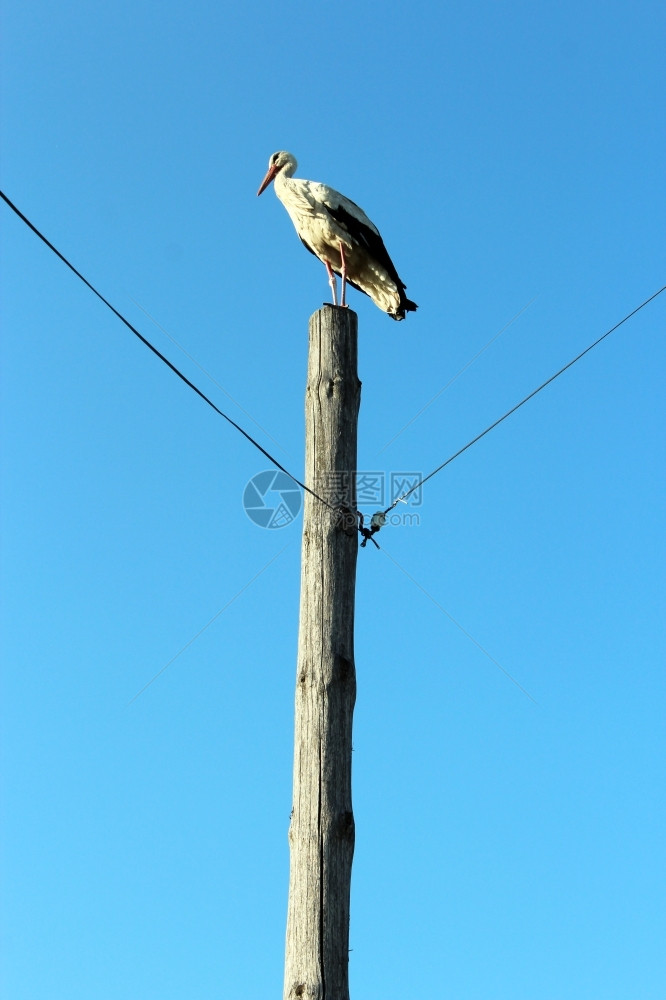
(321, 833)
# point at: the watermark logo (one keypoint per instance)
(373, 488)
(271, 499)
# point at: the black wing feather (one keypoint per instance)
(367, 238)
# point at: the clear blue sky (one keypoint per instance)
(513, 157)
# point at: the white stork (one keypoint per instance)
(337, 231)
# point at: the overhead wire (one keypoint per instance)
(527, 398)
(378, 519)
(156, 352)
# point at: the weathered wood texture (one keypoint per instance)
(321, 833)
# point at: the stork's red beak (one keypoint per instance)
(272, 170)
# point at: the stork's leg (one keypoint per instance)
(331, 281)
(343, 274)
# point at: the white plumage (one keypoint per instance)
(341, 235)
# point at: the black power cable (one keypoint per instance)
(159, 354)
(513, 409)
(379, 519)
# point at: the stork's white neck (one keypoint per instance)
(287, 171)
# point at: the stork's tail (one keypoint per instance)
(406, 305)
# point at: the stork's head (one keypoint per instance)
(279, 163)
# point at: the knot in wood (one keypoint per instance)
(311, 992)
